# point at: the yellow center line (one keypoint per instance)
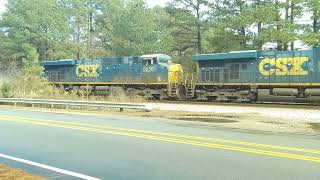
(294, 149)
(179, 141)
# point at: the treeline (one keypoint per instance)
(57, 29)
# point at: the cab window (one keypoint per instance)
(151, 61)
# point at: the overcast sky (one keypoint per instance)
(2, 2)
(151, 3)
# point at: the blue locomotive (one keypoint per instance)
(259, 75)
(154, 76)
(232, 76)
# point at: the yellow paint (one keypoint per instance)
(209, 83)
(109, 83)
(175, 73)
(280, 66)
(78, 126)
(172, 135)
(87, 70)
(261, 84)
(264, 62)
(297, 63)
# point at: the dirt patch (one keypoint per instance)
(314, 126)
(16, 174)
(273, 122)
(203, 115)
(206, 119)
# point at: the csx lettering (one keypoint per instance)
(283, 66)
(88, 70)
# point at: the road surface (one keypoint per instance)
(74, 146)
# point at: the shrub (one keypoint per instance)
(6, 90)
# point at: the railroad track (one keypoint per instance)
(242, 104)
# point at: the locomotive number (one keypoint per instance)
(149, 69)
(86, 70)
(283, 66)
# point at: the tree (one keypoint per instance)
(191, 17)
(130, 28)
(262, 15)
(311, 35)
(35, 23)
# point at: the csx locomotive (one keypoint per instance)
(232, 76)
(153, 76)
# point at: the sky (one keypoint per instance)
(151, 3)
(2, 2)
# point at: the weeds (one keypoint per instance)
(6, 90)
(29, 83)
(10, 173)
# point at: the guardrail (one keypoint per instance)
(67, 103)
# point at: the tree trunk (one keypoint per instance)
(199, 38)
(242, 30)
(287, 7)
(90, 29)
(315, 21)
(279, 42)
(78, 40)
(292, 6)
(259, 26)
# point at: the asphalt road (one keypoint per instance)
(120, 147)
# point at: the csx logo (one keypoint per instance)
(86, 70)
(283, 66)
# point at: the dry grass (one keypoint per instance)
(16, 174)
(27, 83)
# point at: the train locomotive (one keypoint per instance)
(242, 76)
(152, 76)
(259, 75)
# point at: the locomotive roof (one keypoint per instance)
(252, 54)
(59, 62)
(154, 55)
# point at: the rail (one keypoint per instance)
(68, 103)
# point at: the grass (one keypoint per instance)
(28, 83)
(16, 174)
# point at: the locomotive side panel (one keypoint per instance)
(146, 75)
(252, 75)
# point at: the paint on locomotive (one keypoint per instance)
(175, 73)
(283, 66)
(87, 70)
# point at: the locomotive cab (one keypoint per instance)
(174, 72)
(154, 62)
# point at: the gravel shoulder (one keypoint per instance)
(276, 119)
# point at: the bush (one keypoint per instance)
(29, 83)
(6, 90)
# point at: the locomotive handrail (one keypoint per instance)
(68, 103)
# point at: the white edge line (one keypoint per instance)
(43, 166)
